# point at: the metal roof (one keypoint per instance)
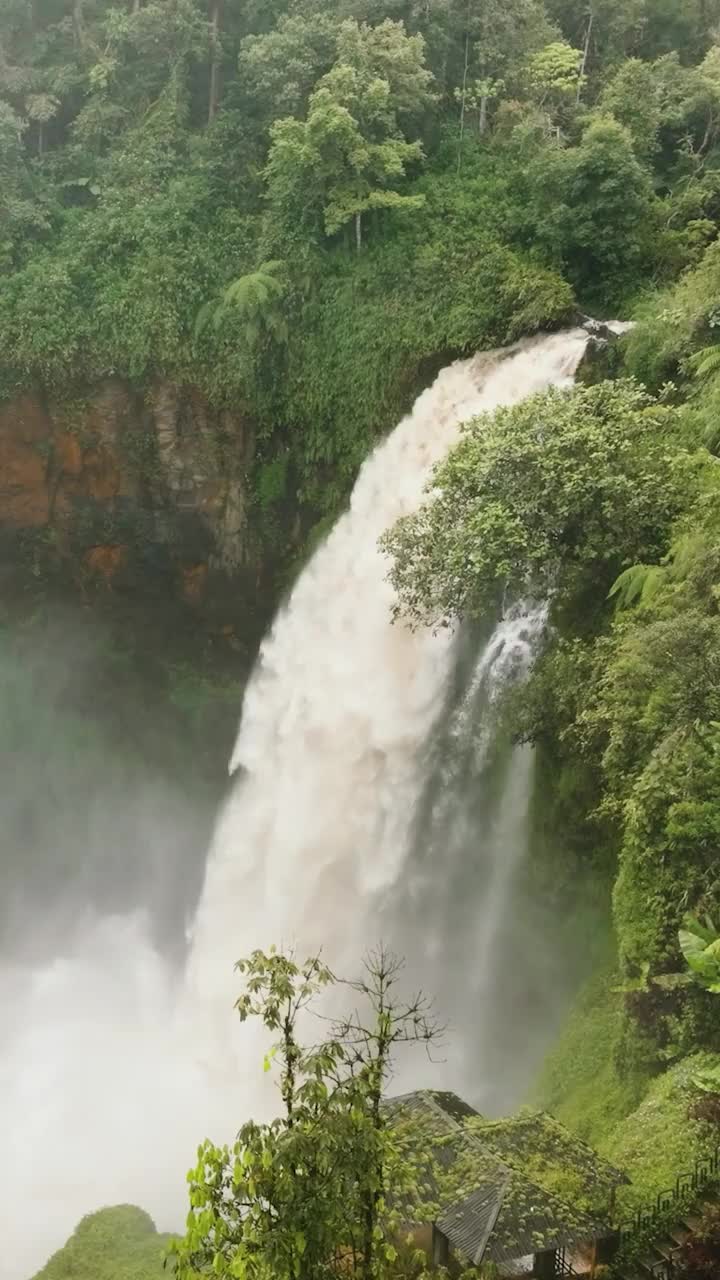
(488, 1208)
(469, 1224)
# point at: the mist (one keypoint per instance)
(106, 811)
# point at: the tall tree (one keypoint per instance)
(497, 39)
(351, 152)
(280, 68)
(597, 487)
(216, 8)
(318, 1192)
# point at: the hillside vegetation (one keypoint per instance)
(299, 206)
(617, 520)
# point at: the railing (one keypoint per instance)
(562, 1266)
(655, 1217)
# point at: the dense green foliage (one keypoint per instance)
(186, 185)
(612, 484)
(346, 1181)
(700, 945)
(601, 1080)
(604, 472)
(114, 1244)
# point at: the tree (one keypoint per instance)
(386, 52)
(255, 300)
(602, 477)
(20, 210)
(644, 29)
(593, 206)
(320, 1191)
(348, 156)
(368, 1048)
(280, 68)
(497, 39)
(555, 76)
(120, 1241)
(632, 97)
(141, 62)
(215, 15)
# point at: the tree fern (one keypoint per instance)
(255, 299)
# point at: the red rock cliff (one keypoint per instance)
(125, 487)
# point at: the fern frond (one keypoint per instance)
(255, 299)
(705, 363)
(636, 585)
(272, 268)
(686, 551)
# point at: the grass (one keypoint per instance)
(584, 1081)
(603, 1081)
(660, 1139)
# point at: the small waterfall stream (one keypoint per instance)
(111, 1069)
(449, 915)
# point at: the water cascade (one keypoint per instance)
(355, 812)
(342, 703)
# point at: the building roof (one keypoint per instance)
(480, 1196)
(543, 1145)
(469, 1224)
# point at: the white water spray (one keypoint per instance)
(109, 1075)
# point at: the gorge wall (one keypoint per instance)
(130, 492)
(146, 495)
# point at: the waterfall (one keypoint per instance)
(330, 747)
(111, 1069)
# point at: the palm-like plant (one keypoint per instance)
(700, 945)
(256, 300)
(636, 585)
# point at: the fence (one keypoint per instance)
(655, 1219)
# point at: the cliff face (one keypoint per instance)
(127, 491)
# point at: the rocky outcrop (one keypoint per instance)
(127, 490)
(602, 358)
